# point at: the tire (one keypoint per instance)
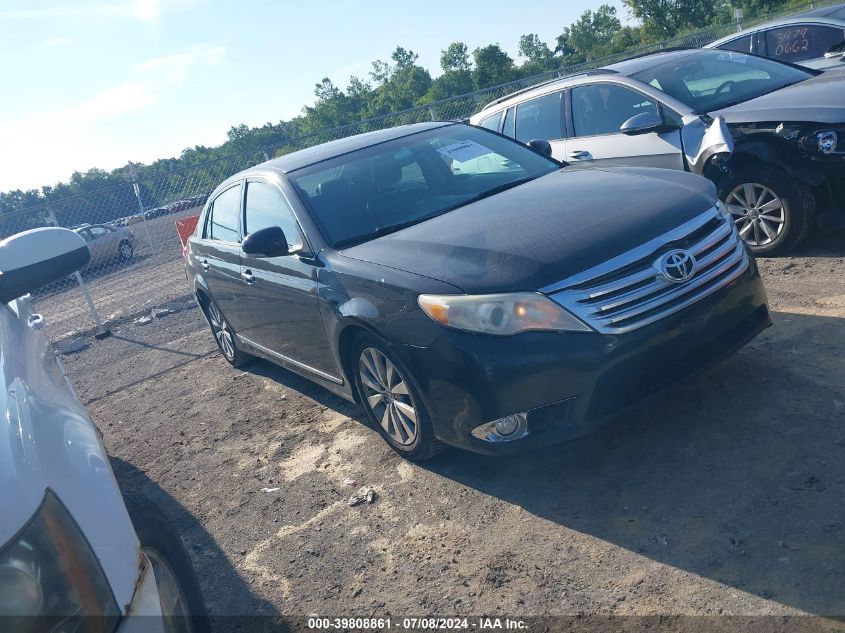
(781, 213)
(125, 251)
(224, 335)
(388, 394)
(183, 609)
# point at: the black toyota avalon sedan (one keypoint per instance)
(467, 290)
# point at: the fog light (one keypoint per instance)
(828, 140)
(506, 429)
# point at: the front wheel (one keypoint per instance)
(392, 402)
(773, 211)
(180, 597)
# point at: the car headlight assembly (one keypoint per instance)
(500, 314)
(51, 580)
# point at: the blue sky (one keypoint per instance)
(96, 83)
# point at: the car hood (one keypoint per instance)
(818, 99)
(538, 233)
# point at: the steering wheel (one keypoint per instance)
(726, 85)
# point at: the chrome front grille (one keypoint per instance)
(629, 291)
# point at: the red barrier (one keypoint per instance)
(185, 228)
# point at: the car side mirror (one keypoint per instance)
(269, 242)
(542, 147)
(643, 123)
(37, 257)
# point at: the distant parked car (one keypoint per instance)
(70, 558)
(492, 310)
(108, 244)
(686, 109)
(814, 38)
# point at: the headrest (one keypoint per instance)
(336, 187)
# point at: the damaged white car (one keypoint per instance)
(70, 558)
(768, 134)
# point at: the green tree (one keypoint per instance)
(666, 18)
(591, 35)
(455, 58)
(538, 56)
(493, 66)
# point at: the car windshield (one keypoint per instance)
(712, 80)
(383, 188)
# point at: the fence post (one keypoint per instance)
(133, 174)
(102, 331)
(266, 155)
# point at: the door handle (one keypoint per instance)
(248, 277)
(580, 154)
(204, 264)
(36, 321)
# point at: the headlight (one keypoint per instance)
(500, 314)
(50, 579)
(827, 141)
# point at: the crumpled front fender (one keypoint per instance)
(702, 138)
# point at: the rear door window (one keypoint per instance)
(801, 42)
(223, 217)
(540, 118)
(508, 128)
(491, 122)
(740, 44)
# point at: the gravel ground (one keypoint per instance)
(723, 497)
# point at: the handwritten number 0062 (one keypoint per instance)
(791, 42)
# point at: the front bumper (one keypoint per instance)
(570, 382)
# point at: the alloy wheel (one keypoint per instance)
(387, 395)
(758, 213)
(174, 604)
(222, 332)
(125, 250)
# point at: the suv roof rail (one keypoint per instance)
(596, 71)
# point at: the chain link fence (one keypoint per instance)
(136, 262)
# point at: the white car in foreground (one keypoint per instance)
(70, 558)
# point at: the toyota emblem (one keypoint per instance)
(677, 266)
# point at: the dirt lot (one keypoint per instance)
(724, 497)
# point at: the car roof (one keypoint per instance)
(634, 65)
(833, 15)
(617, 73)
(324, 151)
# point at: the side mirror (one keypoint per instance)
(269, 242)
(38, 257)
(542, 147)
(643, 123)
